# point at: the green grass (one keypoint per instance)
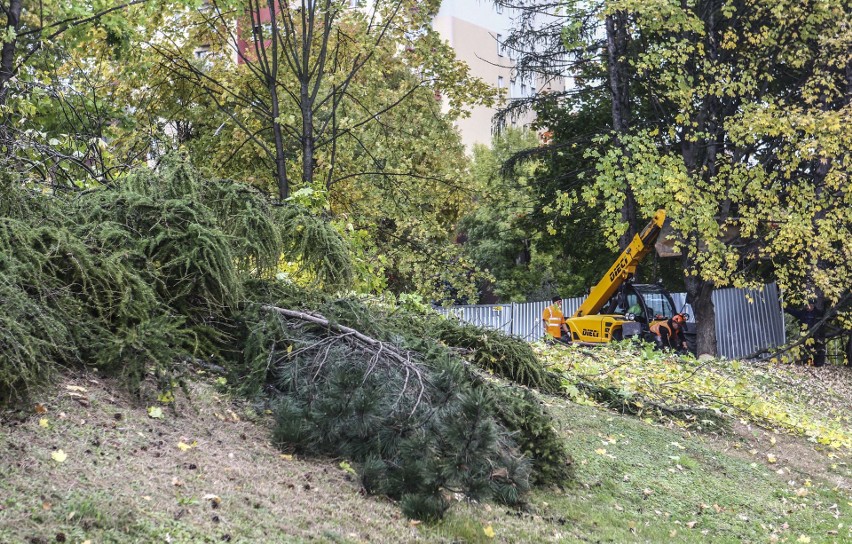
(119, 482)
(645, 483)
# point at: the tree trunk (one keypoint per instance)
(616, 49)
(7, 56)
(306, 104)
(280, 157)
(699, 294)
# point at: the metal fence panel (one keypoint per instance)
(748, 321)
(528, 324)
(488, 316)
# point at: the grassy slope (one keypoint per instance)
(126, 479)
(644, 483)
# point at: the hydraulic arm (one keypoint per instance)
(624, 266)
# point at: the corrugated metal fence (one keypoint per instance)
(748, 321)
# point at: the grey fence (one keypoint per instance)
(748, 321)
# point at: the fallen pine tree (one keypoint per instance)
(145, 278)
(420, 423)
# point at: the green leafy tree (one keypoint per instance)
(385, 162)
(726, 173)
(60, 90)
(303, 81)
(729, 119)
(509, 233)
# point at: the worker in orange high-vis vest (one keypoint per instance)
(554, 321)
(669, 333)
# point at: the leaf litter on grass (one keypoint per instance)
(131, 480)
(792, 399)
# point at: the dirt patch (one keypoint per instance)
(206, 467)
(826, 389)
(792, 457)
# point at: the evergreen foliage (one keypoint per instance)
(33, 338)
(313, 242)
(519, 409)
(504, 355)
(140, 277)
(419, 426)
(132, 278)
(420, 422)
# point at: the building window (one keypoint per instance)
(532, 91)
(513, 88)
(523, 89)
(500, 47)
(499, 82)
(498, 8)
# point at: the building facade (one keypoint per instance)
(476, 29)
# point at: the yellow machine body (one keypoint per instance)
(586, 325)
(595, 329)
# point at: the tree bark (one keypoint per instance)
(619, 86)
(306, 104)
(700, 296)
(280, 157)
(7, 56)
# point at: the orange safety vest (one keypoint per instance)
(655, 328)
(553, 320)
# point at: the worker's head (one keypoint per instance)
(678, 320)
(556, 299)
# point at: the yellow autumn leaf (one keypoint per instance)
(59, 456)
(771, 458)
(286, 456)
(804, 539)
(75, 388)
(215, 500)
(155, 412)
(488, 531)
(184, 447)
(600, 451)
(43, 423)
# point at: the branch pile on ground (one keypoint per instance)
(501, 354)
(141, 277)
(420, 433)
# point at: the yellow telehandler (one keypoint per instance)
(617, 308)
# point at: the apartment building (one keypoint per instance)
(475, 29)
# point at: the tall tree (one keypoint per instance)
(55, 108)
(300, 64)
(733, 109)
(714, 70)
